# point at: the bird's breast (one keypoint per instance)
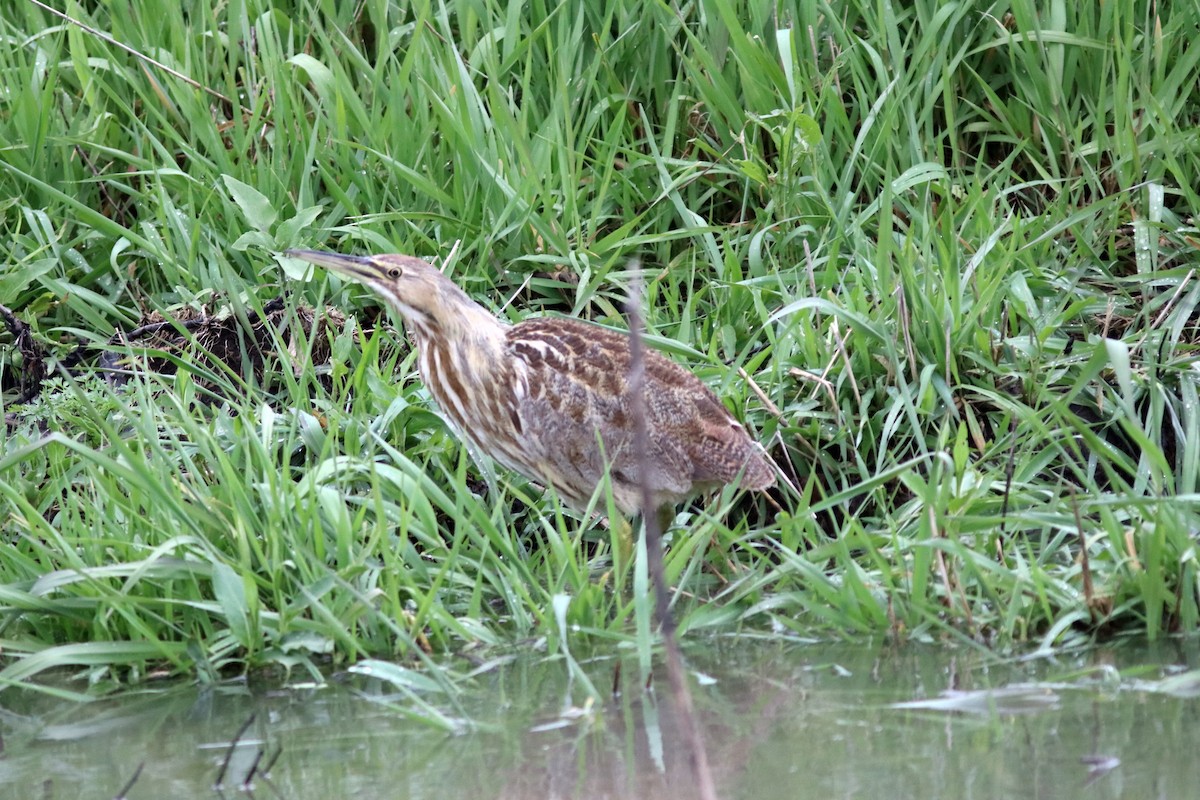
(474, 387)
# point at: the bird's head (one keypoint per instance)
(427, 299)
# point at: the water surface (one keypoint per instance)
(781, 720)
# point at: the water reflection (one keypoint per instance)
(780, 720)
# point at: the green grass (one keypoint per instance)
(952, 244)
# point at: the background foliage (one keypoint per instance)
(940, 257)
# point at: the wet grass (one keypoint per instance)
(941, 260)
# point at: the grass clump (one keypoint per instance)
(941, 258)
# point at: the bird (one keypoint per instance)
(549, 397)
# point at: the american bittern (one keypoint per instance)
(549, 397)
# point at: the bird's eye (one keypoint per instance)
(394, 273)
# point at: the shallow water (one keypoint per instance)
(781, 720)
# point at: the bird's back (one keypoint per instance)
(574, 409)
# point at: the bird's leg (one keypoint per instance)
(665, 514)
(620, 537)
(622, 529)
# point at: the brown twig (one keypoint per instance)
(1084, 566)
(811, 271)
(760, 394)
(220, 782)
(15, 326)
(248, 781)
(155, 327)
(906, 329)
(34, 368)
(845, 356)
(142, 56)
(137, 773)
(271, 761)
(1009, 469)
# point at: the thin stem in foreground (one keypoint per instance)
(652, 519)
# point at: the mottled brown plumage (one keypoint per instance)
(548, 397)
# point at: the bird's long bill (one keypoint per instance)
(359, 268)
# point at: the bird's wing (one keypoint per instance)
(575, 394)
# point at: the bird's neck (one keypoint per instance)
(462, 360)
(462, 324)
